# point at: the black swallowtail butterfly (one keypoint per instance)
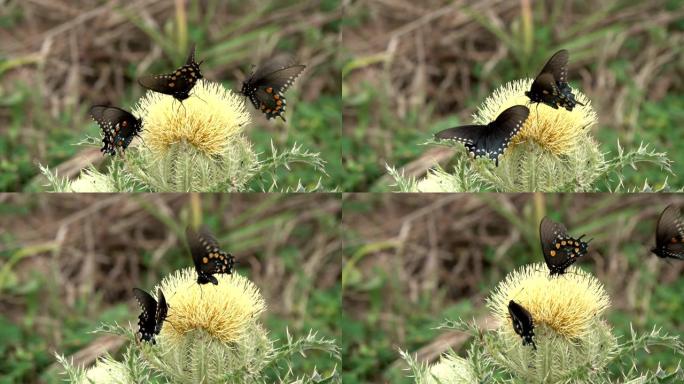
(178, 83)
(670, 235)
(153, 314)
(523, 324)
(267, 84)
(551, 86)
(208, 258)
(118, 127)
(560, 249)
(492, 139)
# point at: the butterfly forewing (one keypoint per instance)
(178, 83)
(557, 66)
(670, 234)
(118, 127)
(208, 258)
(492, 139)
(560, 249)
(523, 324)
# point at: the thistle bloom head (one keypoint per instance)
(553, 151)
(196, 145)
(209, 120)
(568, 304)
(568, 326)
(226, 311)
(211, 332)
(557, 131)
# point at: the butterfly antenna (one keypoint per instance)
(197, 96)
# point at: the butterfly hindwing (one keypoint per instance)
(178, 83)
(118, 127)
(492, 139)
(670, 234)
(208, 258)
(266, 86)
(523, 324)
(153, 314)
(560, 249)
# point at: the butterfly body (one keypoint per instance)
(208, 258)
(178, 83)
(492, 139)
(551, 85)
(560, 249)
(153, 314)
(669, 234)
(118, 127)
(523, 324)
(266, 86)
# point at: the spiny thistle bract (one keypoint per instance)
(198, 145)
(553, 152)
(212, 334)
(574, 343)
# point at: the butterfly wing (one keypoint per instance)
(147, 322)
(670, 234)
(501, 131)
(490, 140)
(178, 83)
(209, 259)
(162, 311)
(118, 127)
(523, 324)
(557, 66)
(544, 90)
(560, 249)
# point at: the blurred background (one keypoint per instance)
(412, 261)
(57, 58)
(69, 262)
(414, 68)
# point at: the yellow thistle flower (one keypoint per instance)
(210, 119)
(226, 311)
(568, 304)
(451, 369)
(558, 131)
